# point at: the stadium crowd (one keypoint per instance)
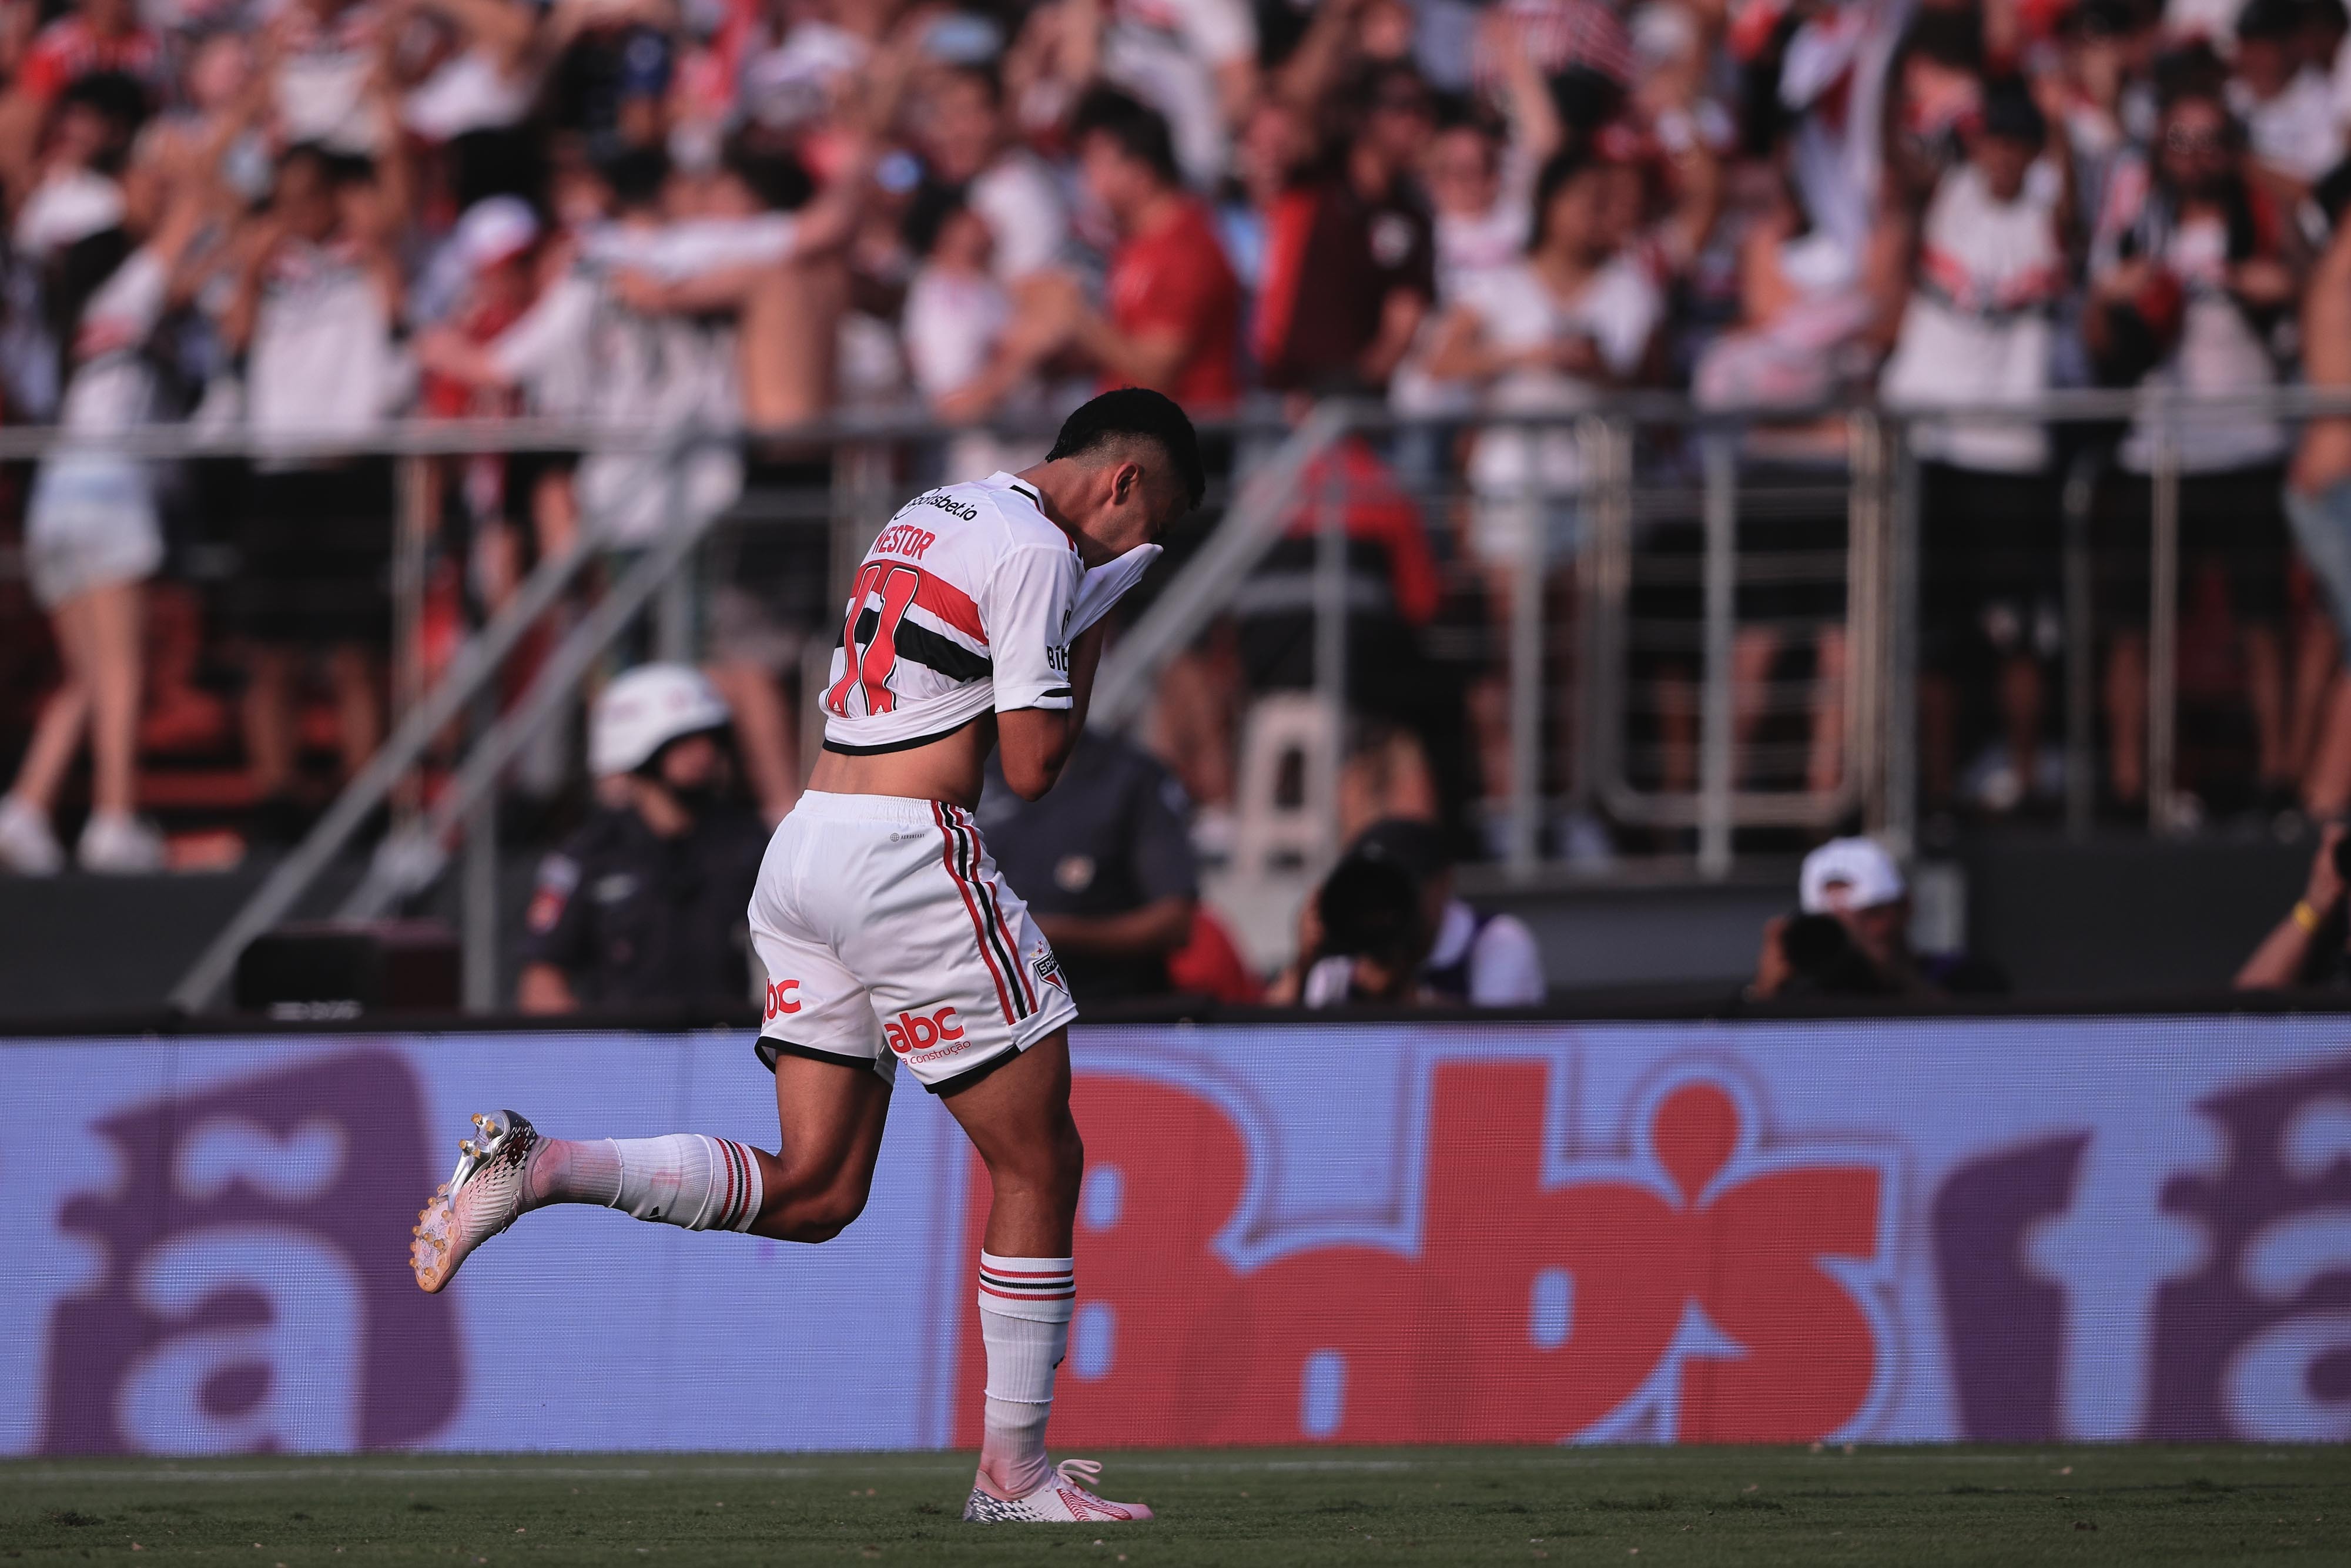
(317, 216)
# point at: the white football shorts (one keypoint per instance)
(888, 935)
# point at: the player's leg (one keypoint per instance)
(833, 1095)
(1017, 1118)
(830, 1116)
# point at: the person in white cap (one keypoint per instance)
(644, 905)
(1856, 881)
(1853, 936)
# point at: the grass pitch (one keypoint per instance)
(1291, 1508)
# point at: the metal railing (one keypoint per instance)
(1604, 706)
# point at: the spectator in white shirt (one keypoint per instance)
(2192, 267)
(91, 537)
(967, 140)
(1990, 268)
(314, 309)
(1547, 335)
(2286, 103)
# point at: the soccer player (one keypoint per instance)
(888, 936)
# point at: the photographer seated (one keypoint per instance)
(644, 905)
(1853, 937)
(1385, 927)
(2307, 950)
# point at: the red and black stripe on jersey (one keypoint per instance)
(917, 641)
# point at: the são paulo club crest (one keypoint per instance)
(1048, 970)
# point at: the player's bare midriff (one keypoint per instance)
(950, 768)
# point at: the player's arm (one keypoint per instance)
(1033, 744)
(1026, 606)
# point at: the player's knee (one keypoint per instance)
(810, 1212)
(827, 1216)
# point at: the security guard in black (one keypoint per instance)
(645, 905)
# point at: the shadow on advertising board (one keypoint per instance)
(2015, 1229)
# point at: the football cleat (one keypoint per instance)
(480, 1198)
(1067, 1497)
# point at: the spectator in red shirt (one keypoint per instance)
(100, 37)
(97, 36)
(1171, 319)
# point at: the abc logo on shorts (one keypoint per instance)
(916, 1031)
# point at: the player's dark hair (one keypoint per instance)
(1136, 413)
(1140, 131)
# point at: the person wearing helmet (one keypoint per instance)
(644, 906)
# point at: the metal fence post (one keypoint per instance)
(412, 527)
(1866, 629)
(1526, 666)
(1599, 579)
(2163, 631)
(479, 882)
(2081, 649)
(1900, 829)
(1716, 757)
(1331, 631)
(674, 610)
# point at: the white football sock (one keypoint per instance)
(686, 1179)
(1025, 1307)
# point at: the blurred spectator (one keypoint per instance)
(2318, 495)
(1348, 272)
(2191, 267)
(1361, 939)
(1194, 61)
(753, 215)
(91, 537)
(957, 313)
(2307, 948)
(644, 906)
(1851, 935)
(1210, 964)
(1385, 926)
(2287, 105)
(1545, 336)
(316, 296)
(970, 145)
(1990, 267)
(1105, 865)
(1172, 315)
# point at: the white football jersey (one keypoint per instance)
(962, 604)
